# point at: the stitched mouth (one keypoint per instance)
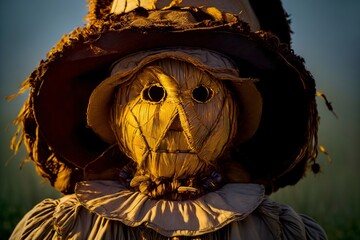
(174, 142)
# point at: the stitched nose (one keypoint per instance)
(176, 124)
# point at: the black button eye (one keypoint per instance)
(202, 94)
(154, 93)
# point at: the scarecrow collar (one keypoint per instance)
(109, 199)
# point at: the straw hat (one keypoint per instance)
(255, 35)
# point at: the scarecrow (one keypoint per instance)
(171, 120)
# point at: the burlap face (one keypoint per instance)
(173, 119)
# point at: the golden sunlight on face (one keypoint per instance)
(173, 119)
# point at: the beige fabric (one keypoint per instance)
(241, 8)
(104, 210)
(171, 218)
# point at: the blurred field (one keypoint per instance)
(325, 34)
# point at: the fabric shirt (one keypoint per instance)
(108, 210)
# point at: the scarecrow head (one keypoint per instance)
(173, 98)
(173, 114)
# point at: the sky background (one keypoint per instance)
(326, 34)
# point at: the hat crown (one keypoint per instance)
(266, 15)
(240, 8)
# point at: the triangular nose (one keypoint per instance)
(176, 124)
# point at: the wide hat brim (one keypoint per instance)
(63, 84)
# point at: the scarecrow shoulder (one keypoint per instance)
(296, 225)
(285, 223)
(37, 223)
(313, 229)
(67, 218)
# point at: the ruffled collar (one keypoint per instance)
(210, 212)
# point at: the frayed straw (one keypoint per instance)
(328, 104)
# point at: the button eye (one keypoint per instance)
(202, 94)
(154, 93)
